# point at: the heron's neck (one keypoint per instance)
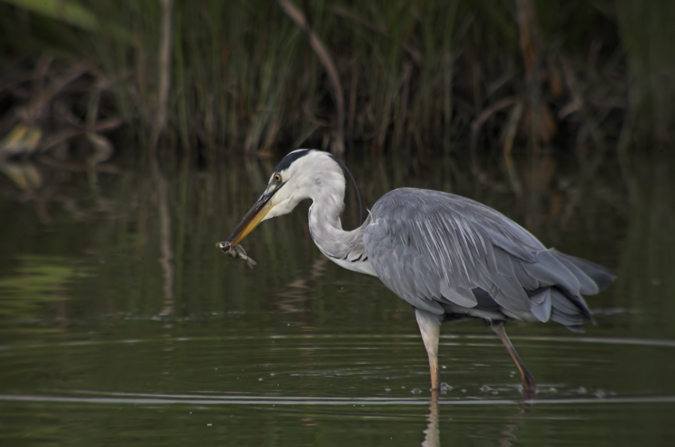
(325, 225)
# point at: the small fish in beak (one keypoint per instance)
(252, 219)
(236, 251)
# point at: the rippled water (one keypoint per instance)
(120, 323)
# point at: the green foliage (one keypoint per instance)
(70, 12)
(648, 34)
(415, 73)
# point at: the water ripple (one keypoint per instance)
(445, 339)
(196, 399)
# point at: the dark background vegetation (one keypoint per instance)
(203, 77)
(118, 120)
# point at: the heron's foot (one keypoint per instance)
(527, 379)
(529, 385)
(435, 377)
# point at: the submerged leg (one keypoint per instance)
(430, 328)
(528, 380)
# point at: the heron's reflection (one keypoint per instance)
(432, 434)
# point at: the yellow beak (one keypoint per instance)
(254, 216)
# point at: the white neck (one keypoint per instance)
(345, 248)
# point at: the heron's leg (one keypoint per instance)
(430, 328)
(525, 375)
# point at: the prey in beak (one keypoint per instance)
(236, 251)
(251, 220)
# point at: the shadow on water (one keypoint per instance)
(118, 315)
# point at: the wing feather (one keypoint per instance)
(446, 253)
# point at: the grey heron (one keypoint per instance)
(448, 256)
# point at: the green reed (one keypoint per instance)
(424, 75)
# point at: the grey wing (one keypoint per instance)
(448, 254)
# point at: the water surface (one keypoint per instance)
(121, 323)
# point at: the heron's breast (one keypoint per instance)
(360, 266)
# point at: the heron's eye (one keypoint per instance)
(277, 178)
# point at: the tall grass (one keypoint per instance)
(411, 74)
(645, 29)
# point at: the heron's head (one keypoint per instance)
(299, 175)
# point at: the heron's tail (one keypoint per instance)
(572, 277)
(569, 308)
(601, 276)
